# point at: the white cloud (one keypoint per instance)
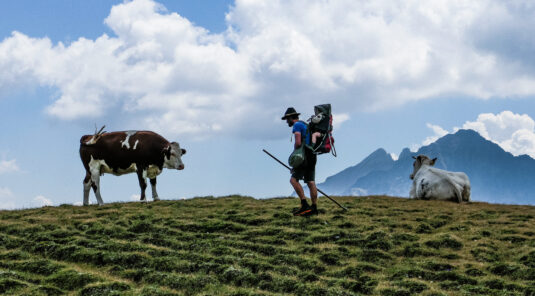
(438, 132)
(6, 199)
(176, 77)
(8, 166)
(41, 201)
(515, 133)
(160, 67)
(135, 197)
(338, 119)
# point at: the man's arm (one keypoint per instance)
(297, 140)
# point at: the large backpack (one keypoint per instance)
(322, 122)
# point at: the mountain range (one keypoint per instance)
(496, 176)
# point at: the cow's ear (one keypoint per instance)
(433, 161)
(183, 151)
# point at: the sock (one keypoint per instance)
(314, 207)
(304, 202)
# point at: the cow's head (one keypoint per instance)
(419, 161)
(173, 156)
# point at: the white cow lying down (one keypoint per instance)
(432, 183)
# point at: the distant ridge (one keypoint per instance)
(495, 175)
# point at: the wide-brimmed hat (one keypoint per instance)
(289, 112)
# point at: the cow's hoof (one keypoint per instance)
(156, 199)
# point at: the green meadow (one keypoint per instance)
(238, 245)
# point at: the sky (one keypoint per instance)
(216, 76)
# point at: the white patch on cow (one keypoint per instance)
(135, 145)
(126, 143)
(151, 172)
(154, 193)
(100, 166)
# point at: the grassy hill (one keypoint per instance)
(242, 246)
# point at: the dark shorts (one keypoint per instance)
(306, 171)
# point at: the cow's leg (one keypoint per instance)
(153, 187)
(412, 193)
(87, 188)
(142, 184)
(95, 180)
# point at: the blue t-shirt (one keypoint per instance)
(302, 128)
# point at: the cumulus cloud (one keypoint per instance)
(8, 166)
(515, 133)
(160, 66)
(438, 132)
(41, 201)
(338, 119)
(6, 199)
(174, 76)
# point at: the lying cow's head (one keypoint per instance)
(173, 156)
(419, 161)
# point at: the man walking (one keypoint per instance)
(305, 171)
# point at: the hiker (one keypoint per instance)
(307, 169)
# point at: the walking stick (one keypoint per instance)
(345, 209)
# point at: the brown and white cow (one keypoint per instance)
(119, 153)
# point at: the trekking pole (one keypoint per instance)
(345, 209)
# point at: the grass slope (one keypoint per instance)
(242, 246)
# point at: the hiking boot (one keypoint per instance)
(313, 211)
(305, 208)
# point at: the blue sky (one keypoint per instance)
(217, 75)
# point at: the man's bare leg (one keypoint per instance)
(313, 196)
(313, 192)
(298, 188)
(305, 208)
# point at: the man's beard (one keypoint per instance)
(291, 123)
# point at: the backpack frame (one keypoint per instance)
(322, 122)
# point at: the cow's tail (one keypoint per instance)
(456, 190)
(458, 194)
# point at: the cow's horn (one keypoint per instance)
(100, 131)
